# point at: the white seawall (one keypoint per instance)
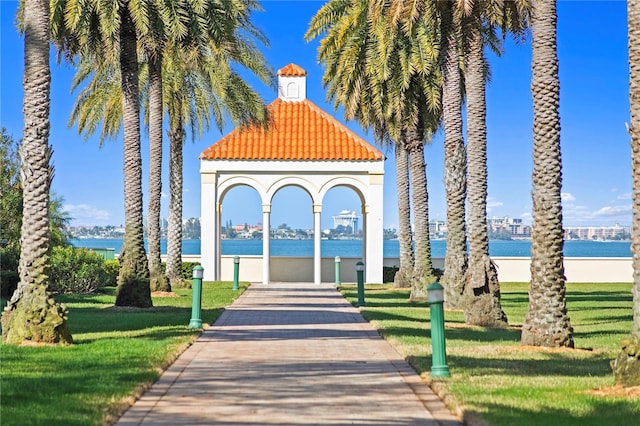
(510, 269)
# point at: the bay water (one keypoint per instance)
(353, 248)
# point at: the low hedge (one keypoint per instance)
(79, 270)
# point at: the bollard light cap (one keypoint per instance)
(435, 293)
(198, 271)
(359, 266)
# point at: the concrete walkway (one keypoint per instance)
(290, 354)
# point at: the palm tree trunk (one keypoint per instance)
(423, 268)
(158, 280)
(626, 366)
(482, 290)
(174, 237)
(404, 274)
(32, 314)
(133, 279)
(455, 263)
(546, 322)
(633, 17)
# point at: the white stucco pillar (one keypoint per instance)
(208, 220)
(218, 241)
(266, 241)
(374, 231)
(317, 238)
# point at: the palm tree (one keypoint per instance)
(546, 322)
(626, 367)
(455, 166)
(633, 16)
(32, 314)
(385, 79)
(108, 32)
(482, 289)
(158, 281)
(404, 274)
(200, 86)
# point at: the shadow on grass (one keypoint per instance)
(553, 364)
(375, 315)
(383, 298)
(157, 323)
(599, 412)
(486, 335)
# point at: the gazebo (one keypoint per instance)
(304, 147)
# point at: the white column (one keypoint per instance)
(374, 231)
(317, 237)
(365, 232)
(218, 242)
(208, 220)
(266, 240)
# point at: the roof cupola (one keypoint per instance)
(292, 83)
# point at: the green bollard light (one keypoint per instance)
(196, 321)
(236, 272)
(360, 272)
(337, 271)
(435, 298)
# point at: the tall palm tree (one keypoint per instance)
(546, 322)
(109, 32)
(626, 367)
(199, 87)
(633, 18)
(348, 23)
(157, 279)
(404, 274)
(455, 165)
(482, 290)
(385, 79)
(32, 314)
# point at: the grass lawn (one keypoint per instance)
(496, 381)
(117, 352)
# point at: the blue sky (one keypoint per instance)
(594, 102)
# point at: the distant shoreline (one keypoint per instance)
(353, 248)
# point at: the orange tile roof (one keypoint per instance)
(292, 70)
(299, 131)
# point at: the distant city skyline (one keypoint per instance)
(594, 107)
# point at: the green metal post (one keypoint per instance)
(337, 271)
(360, 272)
(196, 320)
(435, 297)
(236, 272)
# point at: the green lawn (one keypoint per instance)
(494, 380)
(117, 352)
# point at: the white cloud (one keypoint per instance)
(613, 211)
(567, 197)
(163, 195)
(526, 217)
(87, 212)
(626, 196)
(492, 204)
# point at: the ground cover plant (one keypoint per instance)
(496, 381)
(117, 353)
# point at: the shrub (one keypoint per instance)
(8, 283)
(9, 278)
(389, 273)
(187, 269)
(112, 268)
(77, 270)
